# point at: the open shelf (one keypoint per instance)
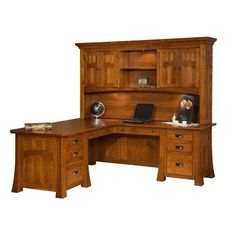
(138, 59)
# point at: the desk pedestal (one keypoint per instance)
(51, 163)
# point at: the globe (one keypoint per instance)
(97, 109)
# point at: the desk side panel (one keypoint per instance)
(38, 159)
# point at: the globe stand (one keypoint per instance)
(97, 122)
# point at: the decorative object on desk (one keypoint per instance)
(186, 109)
(183, 124)
(174, 121)
(38, 126)
(97, 109)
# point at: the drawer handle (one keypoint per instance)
(179, 147)
(75, 154)
(179, 135)
(179, 164)
(75, 172)
(74, 141)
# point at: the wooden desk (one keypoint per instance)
(58, 159)
(110, 72)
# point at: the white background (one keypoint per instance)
(39, 81)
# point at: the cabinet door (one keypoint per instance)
(109, 69)
(189, 67)
(91, 69)
(168, 72)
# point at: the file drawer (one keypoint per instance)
(179, 164)
(74, 174)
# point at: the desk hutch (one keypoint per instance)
(58, 159)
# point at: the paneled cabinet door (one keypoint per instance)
(179, 68)
(189, 68)
(109, 69)
(168, 67)
(91, 77)
(101, 69)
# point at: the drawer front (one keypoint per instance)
(74, 155)
(100, 132)
(179, 164)
(74, 175)
(74, 142)
(179, 136)
(179, 147)
(139, 131)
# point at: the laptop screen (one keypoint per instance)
(143, 112)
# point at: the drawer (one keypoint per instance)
(179, 136)
(179, 164)
(139, 130)
(100, 132)
(179, 147)
(74, 155)
(72, 142)
(74, 174)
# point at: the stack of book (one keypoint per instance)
(38, 126)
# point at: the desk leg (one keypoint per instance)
(61, 171)
(209, 169)
(86, 178)
(17, 182)
(162, 157)
(198, 153)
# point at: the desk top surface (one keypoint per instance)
(78, 126)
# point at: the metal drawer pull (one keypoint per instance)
(75, 154)
(179, 147)
(74, 141)
(179, 164)
(179, 135)
(75, 172)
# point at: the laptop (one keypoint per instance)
(143, 113)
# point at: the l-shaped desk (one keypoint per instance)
(121, 75)
(58, 159)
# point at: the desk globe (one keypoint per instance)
(97, 109)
